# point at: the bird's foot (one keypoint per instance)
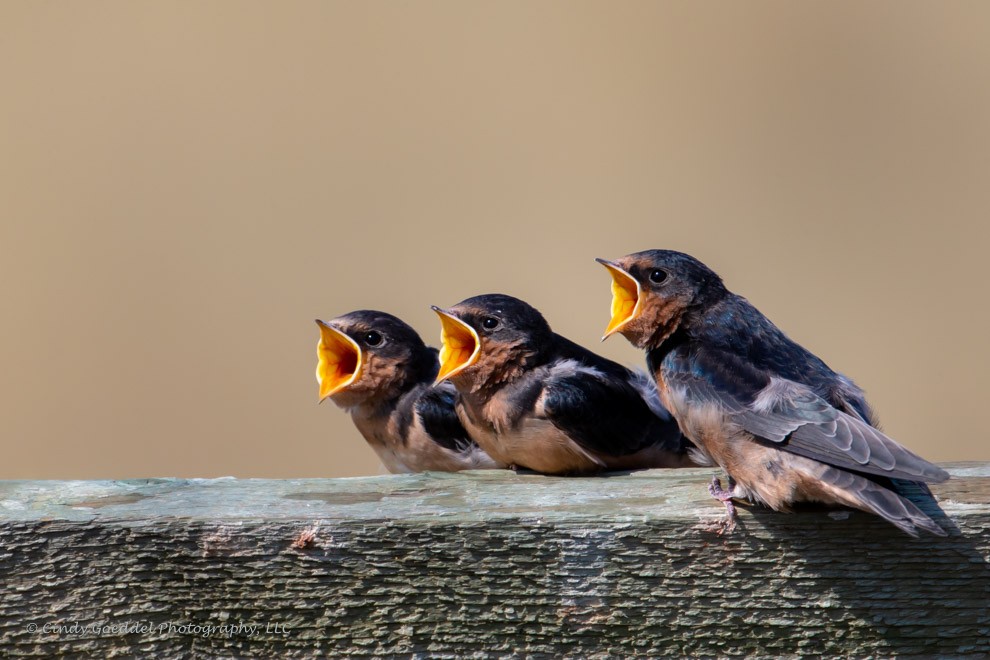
(725, 497)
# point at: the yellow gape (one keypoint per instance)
(625, 298)
(339, 360)
(460, 345)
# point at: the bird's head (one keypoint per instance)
(367, 354)
(654, 293)
(487, 340)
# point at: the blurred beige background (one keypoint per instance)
(185, 186)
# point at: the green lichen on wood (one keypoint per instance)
(481, 564)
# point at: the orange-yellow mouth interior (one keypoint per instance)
(459, 345)
(338, 360)
(625, 298)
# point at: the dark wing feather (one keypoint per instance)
(882, 501)
(606, 414)
(787, 413)
(435, 408)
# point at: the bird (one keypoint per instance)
(536, 400)
(784, 427)
(377, 367)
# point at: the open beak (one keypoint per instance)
(338, 360)
(460, 346)
(625, 297)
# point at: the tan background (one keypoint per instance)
(185, 186)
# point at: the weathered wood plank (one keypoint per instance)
(479, 564)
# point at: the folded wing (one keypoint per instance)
(791, 415)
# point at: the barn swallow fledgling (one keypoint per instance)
(776, 418)
(377, 368)
(534, 399)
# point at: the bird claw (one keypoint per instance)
(725, 497)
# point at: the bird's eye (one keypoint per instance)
(658, 276)
(489, 323)
(372, 338)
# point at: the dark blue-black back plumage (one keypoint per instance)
(734, 326)
(609, 415)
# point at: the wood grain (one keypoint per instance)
(479, 564)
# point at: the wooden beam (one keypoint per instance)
(478, 564)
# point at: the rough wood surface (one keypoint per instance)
(478, 564)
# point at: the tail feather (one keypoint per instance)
(867, 495)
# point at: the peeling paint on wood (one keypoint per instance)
(478, 564)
